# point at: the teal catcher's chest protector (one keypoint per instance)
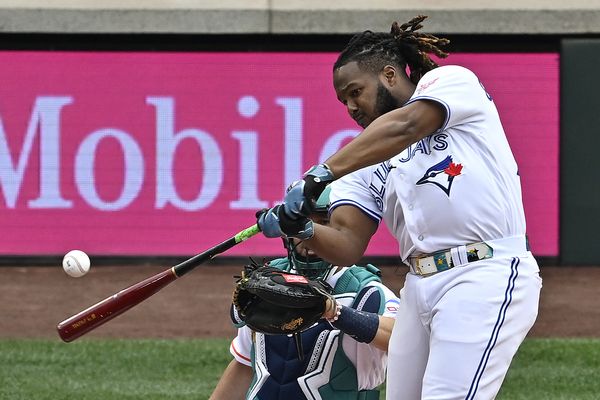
(355, 278)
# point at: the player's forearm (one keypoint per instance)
(339, 247)
(234, 382)
(386, 137)
(384, 332)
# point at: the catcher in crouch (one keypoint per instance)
(338, 357)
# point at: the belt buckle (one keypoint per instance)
(479, 251)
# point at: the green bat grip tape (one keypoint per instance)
(247, 233)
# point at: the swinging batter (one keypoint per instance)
(433, 162)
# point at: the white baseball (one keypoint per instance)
(76, 263)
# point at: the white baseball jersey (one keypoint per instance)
(458, 186)
(463, 172)
(370, 362)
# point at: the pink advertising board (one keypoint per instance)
(171, 153)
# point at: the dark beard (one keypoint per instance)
(385, 101)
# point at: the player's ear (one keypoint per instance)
(390, 74)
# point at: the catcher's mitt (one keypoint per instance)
(273, 301)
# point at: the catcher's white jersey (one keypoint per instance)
(456, 187)
(370, 362)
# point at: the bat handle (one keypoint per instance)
(190, 264)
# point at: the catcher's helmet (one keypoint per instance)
(310, 265)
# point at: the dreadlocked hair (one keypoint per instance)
(403, 46)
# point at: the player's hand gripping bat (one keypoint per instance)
(107, 309)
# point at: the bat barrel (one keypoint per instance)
(113, 306)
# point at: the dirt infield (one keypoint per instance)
(35, 299)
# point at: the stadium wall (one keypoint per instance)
(104, 94)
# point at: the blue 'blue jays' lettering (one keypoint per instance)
(377, 186)
(437, 141)
(440, 141)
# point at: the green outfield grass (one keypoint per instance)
(189, 369)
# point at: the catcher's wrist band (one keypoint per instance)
(362, 326)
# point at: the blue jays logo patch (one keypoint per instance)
(442, 174)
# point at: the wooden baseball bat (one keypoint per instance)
(107, 309)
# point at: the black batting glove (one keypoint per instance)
(276, 222)
(315, 181)
(301, 197)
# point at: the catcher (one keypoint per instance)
(333, 355)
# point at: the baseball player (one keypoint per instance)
(434, 163)
(335, 364)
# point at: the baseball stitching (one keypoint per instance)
(79, 267)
